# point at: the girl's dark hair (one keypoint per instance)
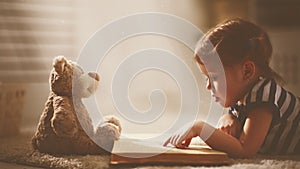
(236, 40)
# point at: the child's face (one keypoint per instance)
(226, 88)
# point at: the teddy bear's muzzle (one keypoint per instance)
(94, 75)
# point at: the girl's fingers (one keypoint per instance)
(181, 135)
(174, 139)
(182, 138)
(225, 129)
(187, 142)
(179, 146)
(167, 141)
(183, 144)
(177, 140)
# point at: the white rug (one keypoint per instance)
(18, 150)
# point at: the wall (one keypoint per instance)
(83, 19)
(32, 33)
(97, 14)
(89, 17)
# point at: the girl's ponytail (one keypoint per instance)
(260, 52)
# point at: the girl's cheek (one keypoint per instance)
(220, 88)
(215, 86)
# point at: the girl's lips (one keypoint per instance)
(216, 98)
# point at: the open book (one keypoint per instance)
(130, 151)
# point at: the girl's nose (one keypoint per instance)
(208, 85)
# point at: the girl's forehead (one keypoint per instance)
(212, 63)
(211, 69)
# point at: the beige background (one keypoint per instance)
(83, 19)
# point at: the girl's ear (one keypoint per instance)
(249, 70)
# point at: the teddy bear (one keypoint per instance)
(65, 126)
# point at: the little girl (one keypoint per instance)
(263, 116)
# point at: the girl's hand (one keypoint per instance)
(182, 138)
(230, 125)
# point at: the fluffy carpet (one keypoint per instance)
(18, 150)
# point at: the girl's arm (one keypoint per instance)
(254, 131)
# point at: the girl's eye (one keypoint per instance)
(213, 78)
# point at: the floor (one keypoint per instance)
(15, 166)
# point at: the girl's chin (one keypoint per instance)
(219, 101)
(223, 104)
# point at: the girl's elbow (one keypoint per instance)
(248, 155)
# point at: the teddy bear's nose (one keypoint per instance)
(94, 75)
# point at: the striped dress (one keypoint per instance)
(283, 136)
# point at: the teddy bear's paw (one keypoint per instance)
(108, 131)
(106, 134)
(113, 120)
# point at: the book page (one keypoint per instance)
(135, 148)
(138, 151)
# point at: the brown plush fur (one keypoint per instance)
(65, 126)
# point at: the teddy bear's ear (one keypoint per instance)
(59, 63)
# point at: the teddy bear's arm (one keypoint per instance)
(64, 121)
